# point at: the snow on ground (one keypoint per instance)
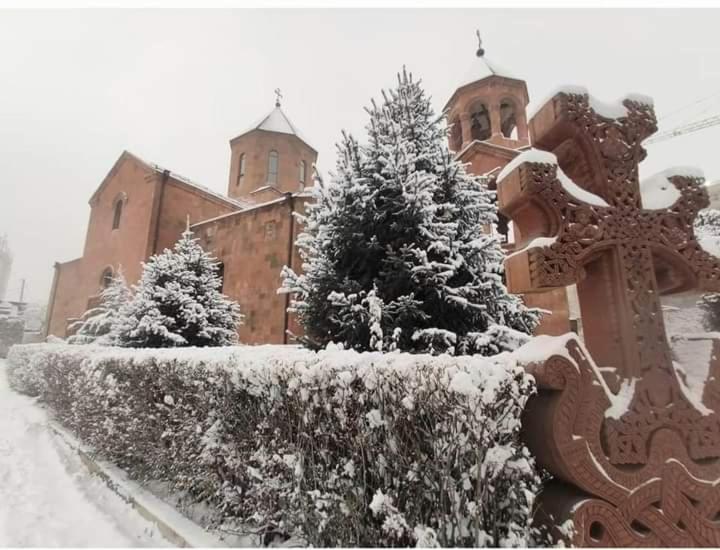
(47, 496)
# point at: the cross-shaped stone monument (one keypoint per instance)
(610, 425)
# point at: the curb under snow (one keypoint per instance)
(175, 527)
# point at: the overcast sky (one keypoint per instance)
(79, 86)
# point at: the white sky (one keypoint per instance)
(79, 86)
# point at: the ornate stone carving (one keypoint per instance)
(647, 465)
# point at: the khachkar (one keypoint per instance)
(635, 457)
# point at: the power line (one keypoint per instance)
(691, 104)
(684, 129)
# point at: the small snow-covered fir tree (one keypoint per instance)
(178, 302)
(707, 226)
(99, 325)
(395, 250)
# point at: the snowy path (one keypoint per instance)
(47, 497)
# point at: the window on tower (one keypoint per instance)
(106, 277)
(508, 122)
(480, 123)
(302, 174)
(117, 214)
(241, 169)
(273, 168)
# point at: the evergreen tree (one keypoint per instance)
(178, 302)
(99, 324)
(395, 250)
(707, 227)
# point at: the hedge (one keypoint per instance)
(334, 448)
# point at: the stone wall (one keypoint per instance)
(253, 246)
(11, 333)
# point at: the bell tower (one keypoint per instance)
(487, 115)
(270, 159)
(489, 128)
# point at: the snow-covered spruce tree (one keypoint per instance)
(99, 325)
(707, 226)
(395, 251)
(178, 302)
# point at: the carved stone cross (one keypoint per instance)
(586, 224)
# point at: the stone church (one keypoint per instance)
(140, 208)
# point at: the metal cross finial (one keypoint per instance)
(480, 52)
(278, 95)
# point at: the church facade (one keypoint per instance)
(141, 208)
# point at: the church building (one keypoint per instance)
(140, 208)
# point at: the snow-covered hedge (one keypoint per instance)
(11, 333)
(336, 447)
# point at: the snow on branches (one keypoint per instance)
(335, 448)
(99, 325)
(395, 250)
(178, 302)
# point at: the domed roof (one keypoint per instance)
(482, 68)
(276, 121)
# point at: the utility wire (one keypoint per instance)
(687, 106)
(684, 129)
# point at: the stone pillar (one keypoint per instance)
(466, 127)
(495, 129)
(522, 126)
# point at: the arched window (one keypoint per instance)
(106, 277)
(241, 169)
(507, 118)
(221, 275)
(480, 123)
(273, 168)
(117, 213)
(455, 135)
(302, 174)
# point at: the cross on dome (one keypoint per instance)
(278, 95)
(480, 51)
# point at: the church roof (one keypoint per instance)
(482, 68)
(175, 176)
(277, 121)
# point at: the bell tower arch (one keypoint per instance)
(487, 114)
(488, 107)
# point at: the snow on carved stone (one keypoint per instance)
(541, 347)
(545, 157)
(537, 242)
(621, 401)
(658, 191)
(610, 110)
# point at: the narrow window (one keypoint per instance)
(270, 230)
(241, 169)
(117, 214)
(106, 278)
(273, 168)
(302, 174)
